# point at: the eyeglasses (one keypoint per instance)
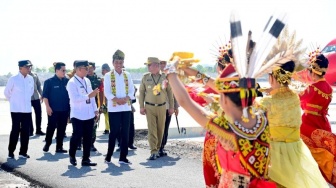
(85, 68)
(27, 67)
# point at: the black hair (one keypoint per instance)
(323, 62)
(235, 98)
(58, 65)
(289, 66)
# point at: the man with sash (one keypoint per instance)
(118, 90)
(154, 92)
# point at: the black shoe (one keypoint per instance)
(162, 153)
(40, 133)
(118, 149)
(88, 162)
(125, 161)
(61, 150)
(132, 147)
(157, 155)
(93, 148)
(46, 148)
(11, 156)
(152, 157)
(73, 161)
(31, 134)
(25, 156)
(106, 132)
(79, 148)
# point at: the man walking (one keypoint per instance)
(36, 100)
(18, 91)
(154, 92)
(56, 100)
(83, 110)
(119, 90)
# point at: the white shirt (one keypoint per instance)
(79, 90)
(18, 91)
(120, 91)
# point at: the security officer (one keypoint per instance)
(95, 83)
(153, 94)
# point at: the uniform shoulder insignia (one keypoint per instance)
(147, 73)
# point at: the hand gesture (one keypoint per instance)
(94, 93)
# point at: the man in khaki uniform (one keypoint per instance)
(153, 93)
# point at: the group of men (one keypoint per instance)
(82, 98)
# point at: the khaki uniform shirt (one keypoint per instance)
(146, 90)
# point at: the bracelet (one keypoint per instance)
(202, 78)
(170, 68)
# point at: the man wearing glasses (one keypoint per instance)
(18, 92)
(83, 110)
(56, 100)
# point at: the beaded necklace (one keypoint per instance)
(113, 86)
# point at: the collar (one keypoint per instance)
(79, 78)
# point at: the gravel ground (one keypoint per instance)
(181, 148)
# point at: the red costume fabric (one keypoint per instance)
(315, 129)
(315, 101)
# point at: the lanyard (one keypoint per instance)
(154, 79)
(82, 84)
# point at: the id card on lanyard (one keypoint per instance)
(85, 88)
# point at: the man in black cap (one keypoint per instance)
(18, 92)
(56, 100)
(82, 113)
(95, 83)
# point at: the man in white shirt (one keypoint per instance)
(118, 90)
(18, 92)
(83, 110)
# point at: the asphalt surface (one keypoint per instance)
(54, 170)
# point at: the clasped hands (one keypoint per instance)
(121, 101)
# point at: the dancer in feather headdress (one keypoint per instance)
(290, 157)
(315, 128)
(242, 155)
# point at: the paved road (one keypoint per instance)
(54, 170)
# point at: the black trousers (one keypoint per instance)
(131, 132)
(21, 123)
(38, 115)
(58, 120)
(165, 133)
(119, 126)
(81, 128)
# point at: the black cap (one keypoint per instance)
(24, 63)
(79, 63)
(92, 64)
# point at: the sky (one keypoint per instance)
(67, 30)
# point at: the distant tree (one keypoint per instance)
(44, 69)
(51, 70)
(37, 70)
(9, 75)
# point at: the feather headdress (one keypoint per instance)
(248, 69)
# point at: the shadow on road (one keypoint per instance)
(53, 158)
(75, 172)
(115, 170)
(11, 164)
(161, 162)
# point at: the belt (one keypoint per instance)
(155, 104)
